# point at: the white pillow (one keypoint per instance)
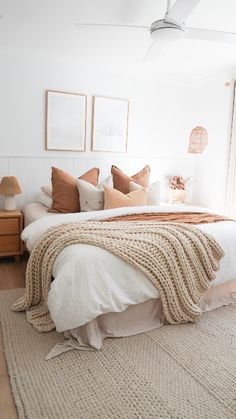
(45, 200)
(47, 190)
(153, 192)
(106, 182)
(91, 197)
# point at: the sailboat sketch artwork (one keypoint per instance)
(110, 124)
(110, 129)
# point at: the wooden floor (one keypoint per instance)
(12, 275)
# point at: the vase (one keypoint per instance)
(177, 196)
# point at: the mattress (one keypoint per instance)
(34, 211)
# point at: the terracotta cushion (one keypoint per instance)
(116, 199)
(65, 193)
(121, 180)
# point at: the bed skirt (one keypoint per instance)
(135, 319)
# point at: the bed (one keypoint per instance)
(95, 294)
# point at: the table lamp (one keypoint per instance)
(9, 187)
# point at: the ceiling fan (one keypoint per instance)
(172, 27)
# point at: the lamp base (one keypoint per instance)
(10, 203)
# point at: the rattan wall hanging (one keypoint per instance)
(198, 140)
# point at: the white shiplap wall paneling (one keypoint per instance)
(4, 162)
(34, 172)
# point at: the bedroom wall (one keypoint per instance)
(162, 114)
(158, 124)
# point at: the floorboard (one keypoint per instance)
(12, 275)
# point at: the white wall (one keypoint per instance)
(158, 123)
(162, 115)
(157, 110)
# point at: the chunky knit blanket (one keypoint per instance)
(180, 260)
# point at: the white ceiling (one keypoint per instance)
(46, 29)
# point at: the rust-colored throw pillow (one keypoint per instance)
(116, 199)
(65, 193)
(121, 180)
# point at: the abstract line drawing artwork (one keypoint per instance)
(65, 121)
(198, 140)
(110, 124)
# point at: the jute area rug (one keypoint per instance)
(186, 371)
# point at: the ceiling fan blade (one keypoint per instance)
(109, 26)
(180, 11)
(154, 51)
(209, 35)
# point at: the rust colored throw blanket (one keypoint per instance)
(179, 259)
(175, 217)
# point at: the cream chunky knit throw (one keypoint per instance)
(180, 260)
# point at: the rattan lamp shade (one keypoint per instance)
(9, 186)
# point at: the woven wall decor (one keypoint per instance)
(198, 140)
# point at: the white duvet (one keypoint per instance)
(90, 281)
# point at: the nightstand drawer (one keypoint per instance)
(10, 243)
(9, 226)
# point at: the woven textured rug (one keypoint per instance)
(184, 371)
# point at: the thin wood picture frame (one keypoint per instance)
(110, 120)
(66, 117)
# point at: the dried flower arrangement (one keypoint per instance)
(177, 182)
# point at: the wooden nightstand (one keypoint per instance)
(11, 223)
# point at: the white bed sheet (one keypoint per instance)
(90, 281)
(34, 211)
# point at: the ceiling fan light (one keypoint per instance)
(167, 34)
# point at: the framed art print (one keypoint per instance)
(110, 124)
(65, 121)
